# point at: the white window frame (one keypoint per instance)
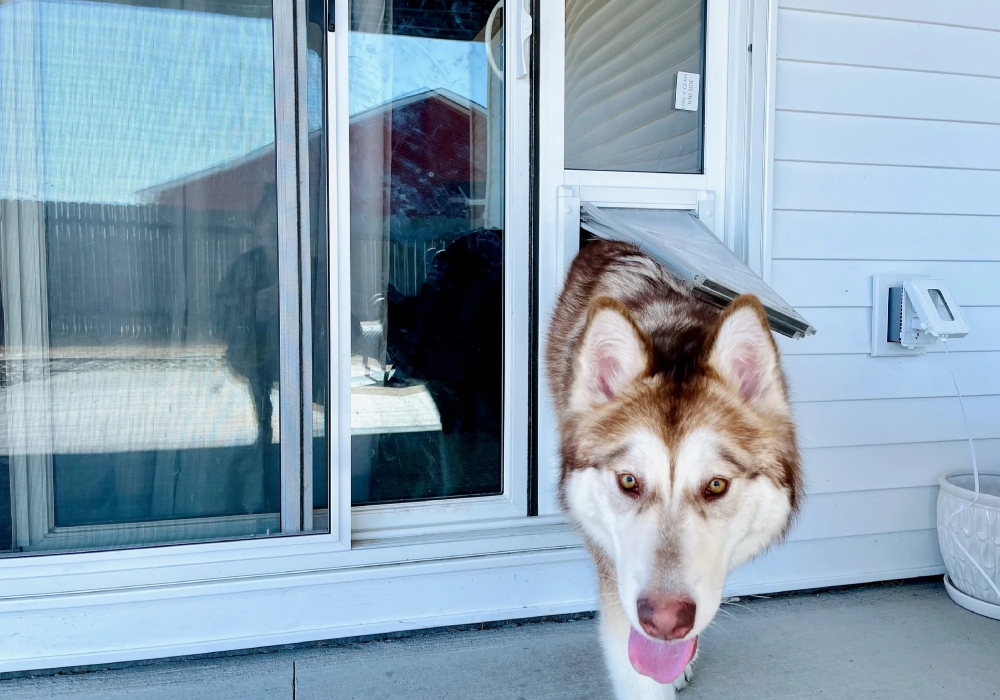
(378, 522)
(415, 566)
(714, 145)
(33, 493)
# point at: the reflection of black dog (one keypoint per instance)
(246, 318)
(250, 329)
(450, 333)
(247, 321)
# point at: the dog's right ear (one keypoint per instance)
(612, 353)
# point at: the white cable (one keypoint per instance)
(975, 476)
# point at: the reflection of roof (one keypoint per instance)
(155, 193)
(446, 96)
(232, 186)
(131, 96)
(385, 67)
(237, 184)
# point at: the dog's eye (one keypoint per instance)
(716, 487)
(629, 483)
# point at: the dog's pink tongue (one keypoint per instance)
(661, 661)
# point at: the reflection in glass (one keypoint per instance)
(138, 272)
(427, 218)
(622, 60)
(316, 34)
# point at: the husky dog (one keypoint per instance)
(678, 451)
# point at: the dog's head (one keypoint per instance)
(677, 469)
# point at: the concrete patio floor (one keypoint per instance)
(905, 641)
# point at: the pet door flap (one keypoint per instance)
(692, 253)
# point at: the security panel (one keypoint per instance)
(911, 314)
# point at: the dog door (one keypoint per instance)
(679, 241)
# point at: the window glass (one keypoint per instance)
(426, 102)
(624, 60)
(139, 286)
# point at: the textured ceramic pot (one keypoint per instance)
(977, 528)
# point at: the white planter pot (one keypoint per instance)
(978, 529)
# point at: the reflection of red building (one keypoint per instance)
(430, 147)
(419, 170)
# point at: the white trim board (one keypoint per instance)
(129, 625)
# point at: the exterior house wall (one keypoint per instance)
(886, 159)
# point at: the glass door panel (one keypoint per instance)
(141, 354)
(426, 99)
(624, 62)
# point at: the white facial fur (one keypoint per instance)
(667, 543)
(671, 539)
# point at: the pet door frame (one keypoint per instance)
(732, 195)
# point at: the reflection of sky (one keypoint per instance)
(134, 97)
(131, 97)
(385, 67)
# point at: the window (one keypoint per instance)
(426, 100)
(153, 380)
(624, 59)
(432, 202)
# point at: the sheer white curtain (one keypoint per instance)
(26, 422)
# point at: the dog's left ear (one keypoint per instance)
(612, 354)
(742, 350)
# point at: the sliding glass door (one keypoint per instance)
(436, 258)
(163, 272)
(168, 308)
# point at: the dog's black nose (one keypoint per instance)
(666, 616)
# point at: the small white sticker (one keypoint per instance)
(686, 94)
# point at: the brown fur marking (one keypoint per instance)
(680, 390)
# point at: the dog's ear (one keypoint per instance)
(742, 350)
(612, 353)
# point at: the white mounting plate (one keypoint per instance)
(880, 316)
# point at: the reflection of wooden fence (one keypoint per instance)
(150, 272)
(409, 262)
(136, 272)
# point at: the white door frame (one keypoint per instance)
(443, 515)
(408, 568)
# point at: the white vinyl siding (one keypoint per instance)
(886, 159)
